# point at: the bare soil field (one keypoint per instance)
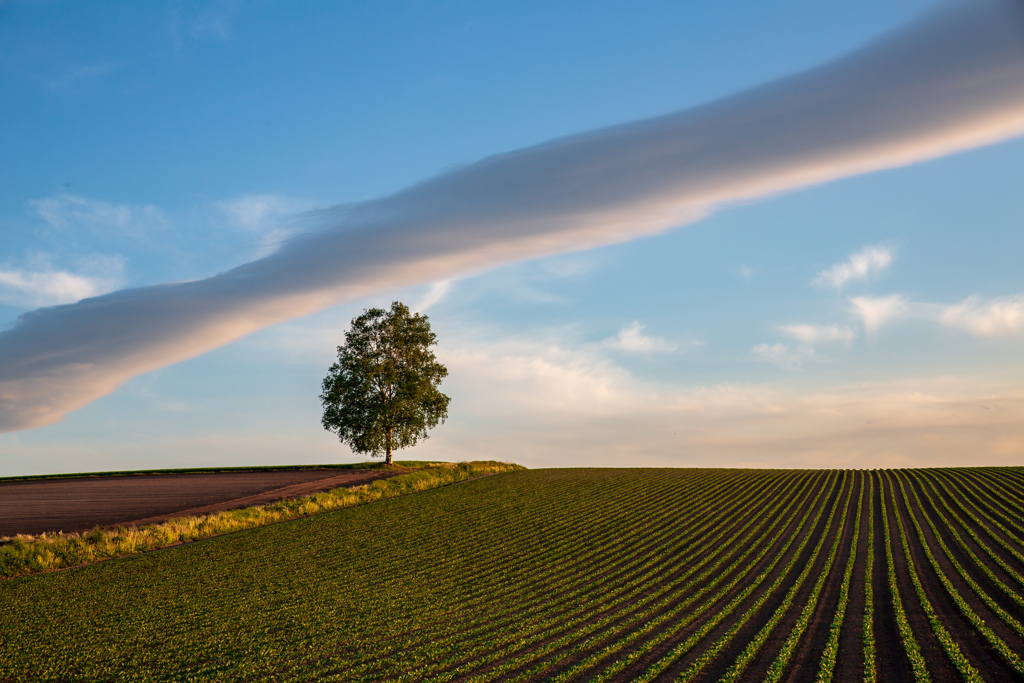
(49, 505)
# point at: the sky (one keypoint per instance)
(646, 233)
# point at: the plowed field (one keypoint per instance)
(567, 575)
(79, 504)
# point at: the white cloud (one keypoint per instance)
(437, 291)
(546, 404)
(66, 210)
(746, 272)
(876, 108)
(876, 312)
(257, 212)
(45, 288)
(813, 334)
(569, 265)
(633, 339)
(785, 356)
(272, 217)
(868, 261)
(995, 318)
(43, 285)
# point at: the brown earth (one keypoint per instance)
(79, 504)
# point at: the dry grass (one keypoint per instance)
(25, 554)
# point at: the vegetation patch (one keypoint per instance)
(565, 575)
(27, 554)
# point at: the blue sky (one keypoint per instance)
(873, 319)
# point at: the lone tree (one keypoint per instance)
(382, 394)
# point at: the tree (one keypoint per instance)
(382, 394)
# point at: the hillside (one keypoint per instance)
(566, 575)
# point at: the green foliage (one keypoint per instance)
(831, 652)
(551, 575)
(382, 393)
(31, 554)
(946, 640)
(868, 625)
(910, 644)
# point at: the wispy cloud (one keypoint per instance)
(269, 216)
(62, 211)
(80, 74)
(951, 81)
(48, 286)
(258, 212)
(994, 318)
(215, 19)
(868, 261)
(785, 356)
(435, 292)
(877, 311)
(633, 340)
(814, 334)
(549, 403)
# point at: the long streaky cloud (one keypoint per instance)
(950, 81)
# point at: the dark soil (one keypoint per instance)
(33, 507)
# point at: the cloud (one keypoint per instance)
(63, 211)
(79, 74)
(813, 334)
(876, 311)
(546, 404)
(437, 291)
(259, 212)
(866, 262)
(785, 356)
(789, 357)
(47, 286)
(270, 216)
(634, 340)
(951, 81)
(995, 318)
(215, 19)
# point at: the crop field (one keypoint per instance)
(566, 575)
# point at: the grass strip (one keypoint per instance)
(31, 554)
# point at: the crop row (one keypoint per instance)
(566, 575)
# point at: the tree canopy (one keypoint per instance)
(383, 392)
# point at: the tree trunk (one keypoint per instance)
(387, 457)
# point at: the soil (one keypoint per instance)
(71, 505)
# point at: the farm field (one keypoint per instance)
(566, 575)
(80, 503)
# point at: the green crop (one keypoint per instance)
(560, 575)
